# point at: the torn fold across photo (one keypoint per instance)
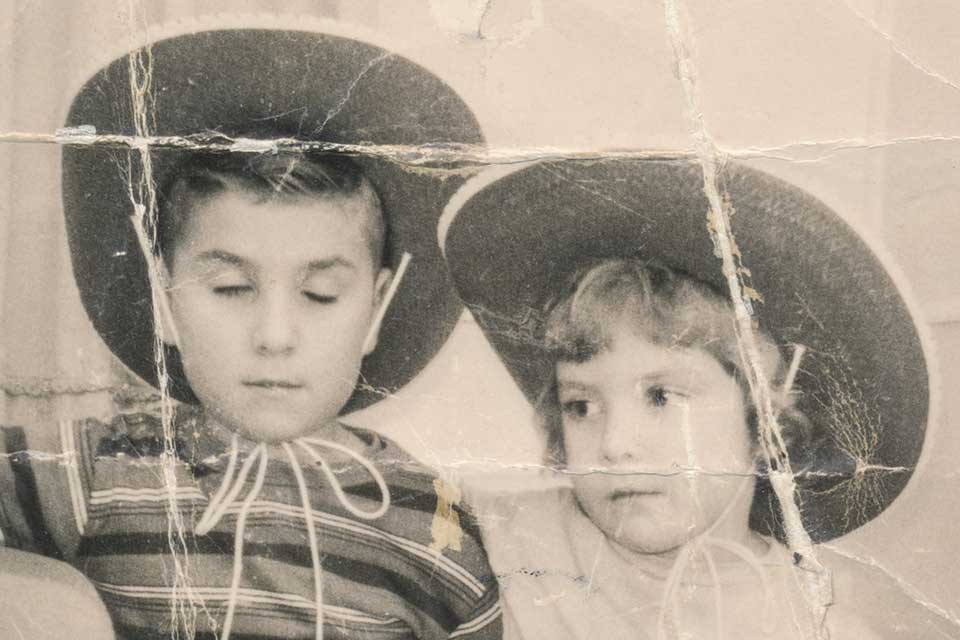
(479, 320)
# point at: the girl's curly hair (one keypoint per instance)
(667, 307)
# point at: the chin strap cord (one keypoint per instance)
(230, 489)
(705, 543)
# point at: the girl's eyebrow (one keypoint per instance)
(575, 385)
(690, 377)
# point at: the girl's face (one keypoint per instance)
(657, 440)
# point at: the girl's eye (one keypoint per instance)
(661, 396)
(232, 290)
(320, 298)
(580, 409)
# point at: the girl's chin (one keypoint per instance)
(651, 534)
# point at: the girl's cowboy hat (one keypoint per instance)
(220, 85)
(510, 238)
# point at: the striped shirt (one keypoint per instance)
(132, 535)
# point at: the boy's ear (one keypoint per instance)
(164, 322)
(381, 285)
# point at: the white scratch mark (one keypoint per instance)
(814, 578)
(900, 51)
(911, 591)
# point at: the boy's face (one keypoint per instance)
(638, 415)
(271, 303)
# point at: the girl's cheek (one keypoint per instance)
(582, 447)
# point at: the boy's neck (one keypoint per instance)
(328, 429)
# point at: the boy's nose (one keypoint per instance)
(275, 331)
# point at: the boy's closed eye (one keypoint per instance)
(241, 289)
(320, 297)
(232, 290)
(226, 280)
(230, 284)
(323, 288)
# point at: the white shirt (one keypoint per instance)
(561, 579)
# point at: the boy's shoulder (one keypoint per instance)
(427, 508)
(431, 526)
(395, 463)
(54, 470)
(136, 433)
(139, 435)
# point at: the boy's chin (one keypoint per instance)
(275, 429)
(273, 433)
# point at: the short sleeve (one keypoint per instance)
(46, 490)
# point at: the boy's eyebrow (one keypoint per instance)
(329, 263)
(217, 255)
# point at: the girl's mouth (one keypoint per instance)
(632, 494)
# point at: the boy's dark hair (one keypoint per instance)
(266, 176)
(668, 308)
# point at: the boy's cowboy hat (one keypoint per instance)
(220, 85)
(510, 238)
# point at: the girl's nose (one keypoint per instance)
(275, 331)
(633, 434)
(622, 437)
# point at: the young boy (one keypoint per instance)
(272, 270)
(666, 528)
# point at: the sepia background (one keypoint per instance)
(857, 101)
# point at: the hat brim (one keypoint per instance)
(253, 83)
(510, 242)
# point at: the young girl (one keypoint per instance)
(667, 526)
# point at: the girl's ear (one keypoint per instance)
(163, 315)
(380, 300)
(799, 434)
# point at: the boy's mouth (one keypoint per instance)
(271, 384)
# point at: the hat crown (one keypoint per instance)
(206, 90)
(514, 240)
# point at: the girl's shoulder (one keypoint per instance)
(524, 527)
(509, 500)
(870, 601)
